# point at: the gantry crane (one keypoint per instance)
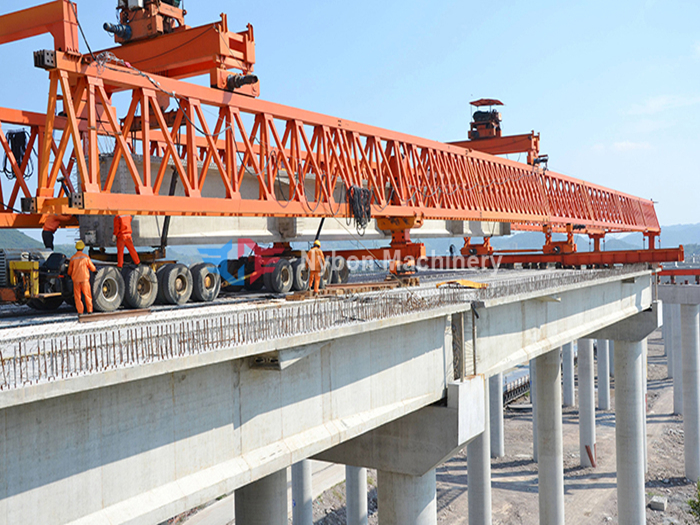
(330, 167)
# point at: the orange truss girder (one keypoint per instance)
(287, 147)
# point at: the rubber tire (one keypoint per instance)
(46, 304)
(300, 275)
(173, 274)
(339, 270)
(160, 272)
(326, 277)
(281, 278)
(145, 296)
(107, 276)
(200, 272)
(254, 285)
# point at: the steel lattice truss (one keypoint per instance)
(288, 150)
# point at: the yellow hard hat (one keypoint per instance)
(80, 245)
(317, 243)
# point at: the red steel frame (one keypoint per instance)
(411, 179)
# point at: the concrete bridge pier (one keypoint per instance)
(668, 337)
(603, 375)
(479, 472)
(407, 451)
(302, 496)
(690, 317)
(677, 358)
(498, 447)
(549, 434)
(629, 433)
(263, 502)
(405, 499)
(629, 336)
(569, 387)
(356, 495)
(586, 391)
(533, 401)
(611, 357)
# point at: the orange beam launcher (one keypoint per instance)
(527, 143)
(188, 52)
(57, 18)
(431, 180)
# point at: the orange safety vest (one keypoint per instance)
(122, 225)
(315, 260)
(79, 268)
(53, 222)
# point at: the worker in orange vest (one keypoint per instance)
(316, 263)
(79, 269)
(53, 222)
(122, 234)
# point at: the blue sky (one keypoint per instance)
(613, 87)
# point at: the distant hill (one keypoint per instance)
(17, 240)
(671, 236)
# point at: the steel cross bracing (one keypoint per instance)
(409, 177)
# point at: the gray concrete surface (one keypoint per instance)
(629, 433)
(586, 390)
(93, 448)
(568, 376)
(549, 435)
(690, 341)
(498, 448)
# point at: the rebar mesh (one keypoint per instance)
(28, 357)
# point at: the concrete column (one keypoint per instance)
(603, 375)
(645, 350)
(668, 337)
(533, 400)
(263, 502)
(406, 500)
(611, 357)
(549, 434)
(356, 495)
(302, 497)
(498, 447)
(677, 359)
(586, 403)
(569, 392)
(479, 472)
(629, 433)
(690, 317)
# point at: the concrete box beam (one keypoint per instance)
(535, 327)
(419, 442)
(133, 461)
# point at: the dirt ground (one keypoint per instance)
(590, 493)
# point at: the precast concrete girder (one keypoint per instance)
(509, 333)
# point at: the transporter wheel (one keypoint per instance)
(175, 284)
(107, 289)
(340, 273)
(206, 282)
(300, 275)
(280, 279)
(326, 276)
(253, 277)
(141, 287)
(45, 304)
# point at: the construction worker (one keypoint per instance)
(79, 270)
(316, 263)
(53, 223)
(122, 234)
